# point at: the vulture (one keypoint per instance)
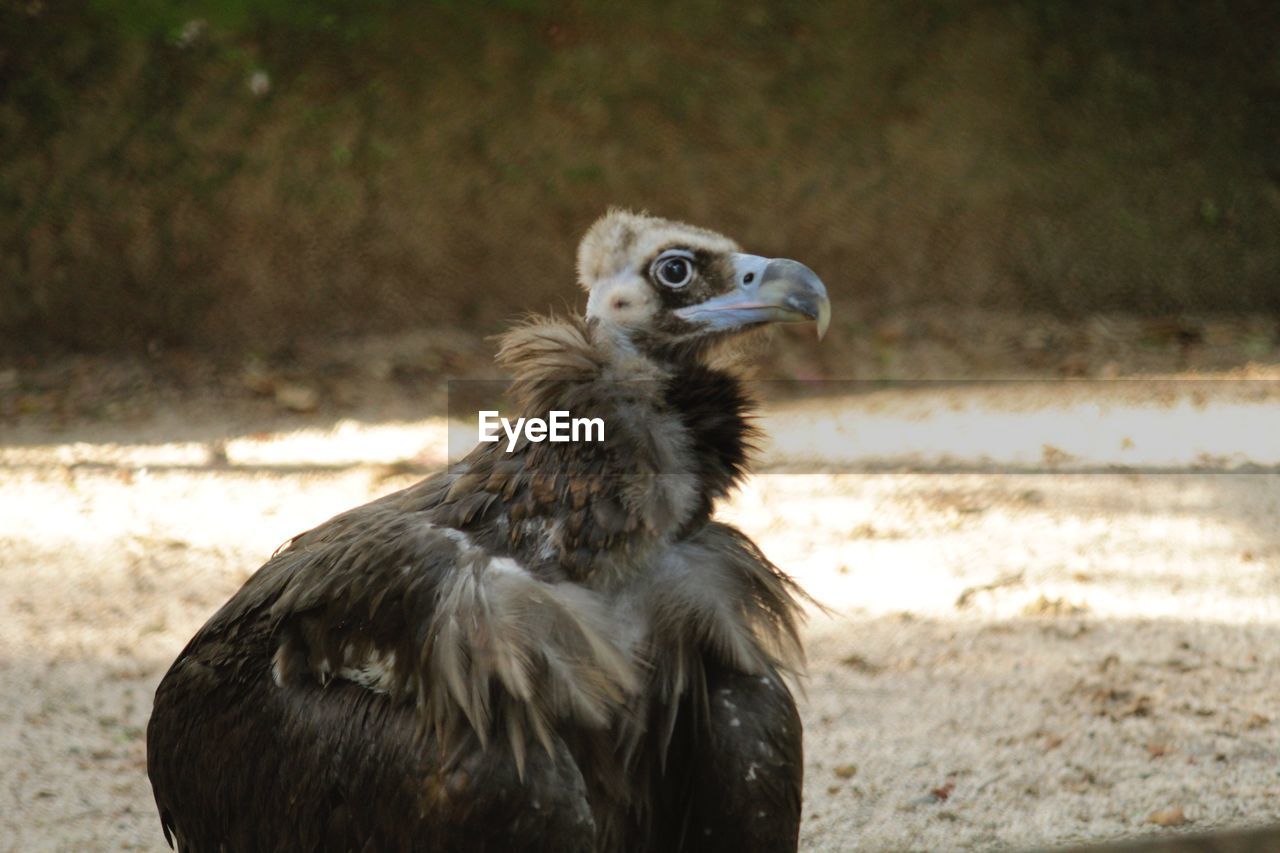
(548, 646)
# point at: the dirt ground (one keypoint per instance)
(1053, 608)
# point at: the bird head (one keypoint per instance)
(670, 288)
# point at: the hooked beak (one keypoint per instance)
(770, 290)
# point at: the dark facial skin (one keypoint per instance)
(671, 338)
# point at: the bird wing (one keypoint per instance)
(714, 600)
(386, 598)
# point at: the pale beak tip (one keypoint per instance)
(824, 318)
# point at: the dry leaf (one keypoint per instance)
(1007, 580)
(1119, 704)
(1168, 817)
(1054, 456)
(1044, 606)
(1139, 707)
(861, 664)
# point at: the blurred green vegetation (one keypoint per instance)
(236, 175)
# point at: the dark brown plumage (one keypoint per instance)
(555, 648)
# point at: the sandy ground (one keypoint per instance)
(1053, 609)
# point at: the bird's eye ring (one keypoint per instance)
(673, 270)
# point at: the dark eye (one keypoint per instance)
(673, 271)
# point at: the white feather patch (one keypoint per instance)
(547, 645)
(375, 670)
